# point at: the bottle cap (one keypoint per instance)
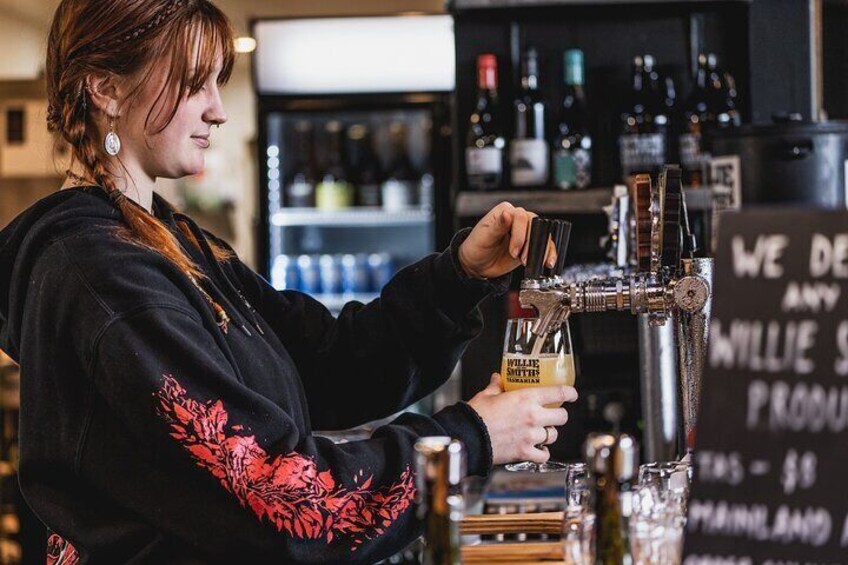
(440, 458)
(616, 455)
(440, 468)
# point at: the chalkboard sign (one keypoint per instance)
(771, 454)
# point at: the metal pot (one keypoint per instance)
(789, 161)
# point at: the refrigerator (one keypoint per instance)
(353, 149)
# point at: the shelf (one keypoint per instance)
(589, 201)
(484, 4)
(335, 302)
(351, 217)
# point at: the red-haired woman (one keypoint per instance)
(168, 392)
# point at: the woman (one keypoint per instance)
(168, 392)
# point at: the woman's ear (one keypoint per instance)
(103, 90)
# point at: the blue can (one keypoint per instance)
(381, 268)
(309, 274)
(330, 268)
(355, 277)
(284, 274)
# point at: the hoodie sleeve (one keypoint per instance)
(261, 487)
(376, 359)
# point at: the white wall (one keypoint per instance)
(23, 45)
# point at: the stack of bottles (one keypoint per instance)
(529, 148)
(353, 174)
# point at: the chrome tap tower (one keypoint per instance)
(660, 281)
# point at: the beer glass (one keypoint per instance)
(530, 360)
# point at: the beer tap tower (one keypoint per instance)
(663, 284)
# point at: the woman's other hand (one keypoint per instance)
(516, 420)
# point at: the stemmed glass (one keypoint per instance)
(530, 360)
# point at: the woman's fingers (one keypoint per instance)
(552, 416)
(518, 232)
(546, 395)
(537, 454)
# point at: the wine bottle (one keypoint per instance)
(485, 141)
(335, 190)
(698, 119)
(440, 468)
(528, 151)
(643, 142)
(723, 90)
(365, 166)
(572, 149)
(613, 462)
(400, 188)
(300, 185)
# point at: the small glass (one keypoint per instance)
(530, 360)
(659, 513)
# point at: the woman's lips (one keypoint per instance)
(202, 142)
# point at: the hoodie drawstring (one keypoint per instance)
(210, 258)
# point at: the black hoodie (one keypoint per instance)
(150, 434)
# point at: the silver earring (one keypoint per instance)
(112, 143)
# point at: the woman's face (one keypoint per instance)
(178, 150)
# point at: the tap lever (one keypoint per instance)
(540, 230)
(562, 246)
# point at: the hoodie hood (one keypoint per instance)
(62, 213)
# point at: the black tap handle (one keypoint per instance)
(556, 238)
(540, 230)
(562, 247)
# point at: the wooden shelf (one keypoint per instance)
(589, 201)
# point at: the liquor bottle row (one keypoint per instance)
(352, 174)
(653, 129)
(333, 274)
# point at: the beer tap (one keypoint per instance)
(662, 282)
(668, 284)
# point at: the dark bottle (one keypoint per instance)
(572, 149)
(643, 143)
(335, 190)
(484, 145)
(529, 155)
(698, 119)
(613, 462)
(366, 173)
(440, 468)
(400, 187)
(300, 184)
(723, 91)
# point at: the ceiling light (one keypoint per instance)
(245, 44)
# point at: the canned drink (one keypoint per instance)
(381, 268)
(308, 274)
(355, 276)
(284, 274)
(330, 269)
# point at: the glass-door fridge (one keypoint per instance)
(353, 150)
